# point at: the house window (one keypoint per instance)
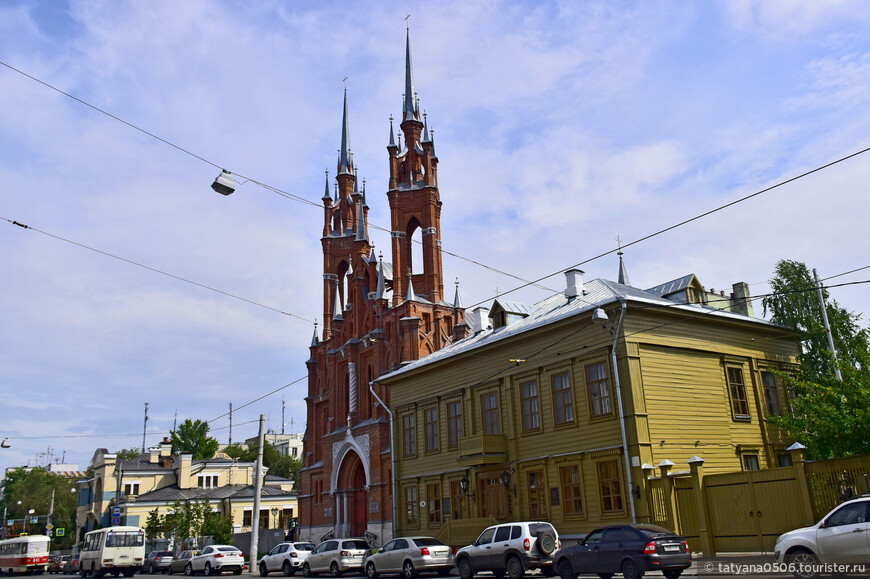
(433, 502)
(783, 460)
(411, 507)
(609, 486)
(209, 481)
(430, 422)
(131, 489)
(318, 492)
(285, 516)
(563, 400)
(247, 518)
(458, 500)
(454, 423)
(529, 401)
(771, 396)
(599, 389)
(572, 490)
(738, 393)
(489, 412)
(750, 462)
(537, 495)
(409, 435)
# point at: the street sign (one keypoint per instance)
(10, 522)
(34, 520)
(116, 520)
(49, 526)
(48, 533)
(116, 510)
(59, 532)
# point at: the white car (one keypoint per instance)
(336, 556)
(841, 537)
(286, 557)
(215, 559)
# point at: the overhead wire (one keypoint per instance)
(153, 269)
(244, 178)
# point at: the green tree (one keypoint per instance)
(33, 488)
(128, 453)
(831, 417)
(192, 436)
(794, 303)
(157, 526)
(278, 464)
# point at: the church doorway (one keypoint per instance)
(354, 497)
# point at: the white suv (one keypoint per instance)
(286, 557)
(842, 537)
(511, 548)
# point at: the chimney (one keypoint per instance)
(741, 302)
(153, 455)
(184, 470)
(574, 279)
(165, 447)
(479, 320)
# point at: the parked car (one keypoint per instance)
(628, 549)
(180, 561)
(511, 548)
(410, 556)
(336, 556)
(840, 537)
(71, 565)
(286, 557)
(215, 559)
(157, 562)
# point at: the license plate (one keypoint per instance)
(672, 548)
(125, 557)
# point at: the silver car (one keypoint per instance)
(336, 556)
(286, 557)
(410, 556)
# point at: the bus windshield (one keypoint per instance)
(125, 539)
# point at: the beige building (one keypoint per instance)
(157, 479)
(567, 410)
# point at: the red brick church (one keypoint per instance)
(377, 315)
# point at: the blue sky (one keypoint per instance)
(559, 126)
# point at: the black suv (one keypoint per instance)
(511, 548)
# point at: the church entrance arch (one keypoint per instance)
(353, 496)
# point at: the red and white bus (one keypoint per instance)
(27, 554)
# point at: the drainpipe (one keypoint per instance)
(392, 458)
(622, 413)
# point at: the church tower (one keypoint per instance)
(377, 315)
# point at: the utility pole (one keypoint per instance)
(283, 407)
(50, 509)
(827, 326)
(258, 487)
(231, 422)
(145, 428)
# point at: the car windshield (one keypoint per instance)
(354, 545)
(653, 530)
(304, 546)
(228, 549)
(164, 554)
(125, 539)
(427, 542)
(536, 528)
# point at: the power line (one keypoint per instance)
(687, 221)
(155, 270)
(244, 178)
(276, 390)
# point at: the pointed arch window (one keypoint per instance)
(414, 237)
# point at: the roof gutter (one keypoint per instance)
(392, 458)
(622, 412)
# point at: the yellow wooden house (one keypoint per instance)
(563, 410)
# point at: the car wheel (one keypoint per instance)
(237, 571)
(263, 570)
(804, 562)
(630, 570)
(408, 571)
(371, 572)
(515, 568)
(287, 569)
(566, 570)
(169, 570)
(672, 573)
(188, 570)
(207, 569)
(464, 568)
(82, 571)
(334, 571)
(306, 570)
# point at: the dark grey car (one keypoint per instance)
(157, 562)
